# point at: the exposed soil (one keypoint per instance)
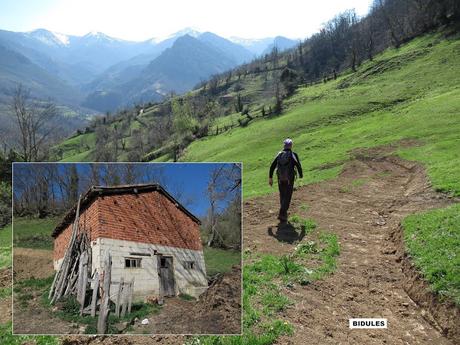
(123, 340)
(5, 303)
(30, 317)
(32, 263)
(218, 311)
(364, 207)
(446, 315)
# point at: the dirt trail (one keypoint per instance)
(364, 207)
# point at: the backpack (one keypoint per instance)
(284, 166)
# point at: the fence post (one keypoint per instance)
(117, 303)
(104, 310)
(130, 298)
(82, 280)
(94, 297)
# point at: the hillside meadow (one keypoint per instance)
(406, 93)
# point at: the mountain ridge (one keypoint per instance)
(96, 66)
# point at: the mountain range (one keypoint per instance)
(99, 73)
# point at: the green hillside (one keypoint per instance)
(407, 98)
(408, 93)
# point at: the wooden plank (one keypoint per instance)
(94, 297)
(80, 279)
(124, 298)
(130, 298)
(117, 303)
(104, 311)
(84, 281)
(66, 261)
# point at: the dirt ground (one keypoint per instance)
(32, 263)
(123, 340)
(369, 281)
(5, 303)
(218, 311)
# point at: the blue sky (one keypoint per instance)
(190, 180)
(143, 19)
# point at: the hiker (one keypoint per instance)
(286, 162)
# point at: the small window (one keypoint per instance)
(132, 263)
(163, 263)
(189, 265)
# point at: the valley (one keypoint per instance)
(96, 73)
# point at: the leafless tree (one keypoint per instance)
(33, 119)
(224, 181)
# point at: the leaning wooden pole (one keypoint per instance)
(118, 300)
(57, 288)
(130, 298)
(104, 310)
(83, 280)
(94, 297)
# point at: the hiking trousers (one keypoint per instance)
(286, 188)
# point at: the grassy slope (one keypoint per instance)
(433, 240)
(219, 260)
(34, 233)
(5, 247)
(75, 149)
(412, 92)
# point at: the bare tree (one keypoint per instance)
(33, 120)
(224, 184)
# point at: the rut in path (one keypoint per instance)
(368, 281)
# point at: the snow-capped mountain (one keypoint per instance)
(95, 37)
(50, 37)
(193, 32)
(96, 64)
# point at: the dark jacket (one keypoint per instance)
(295, 164)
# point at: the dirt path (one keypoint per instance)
(363, 206)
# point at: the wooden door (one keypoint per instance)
(166, 275)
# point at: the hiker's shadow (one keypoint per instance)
(285, 232)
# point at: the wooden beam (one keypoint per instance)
(94, 296)
(104, 310)
(130, 298)
(117, 303)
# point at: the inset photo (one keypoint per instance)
(127, 248)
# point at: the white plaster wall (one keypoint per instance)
(146, 280)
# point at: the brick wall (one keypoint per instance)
(88, 221)
(146, 218)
